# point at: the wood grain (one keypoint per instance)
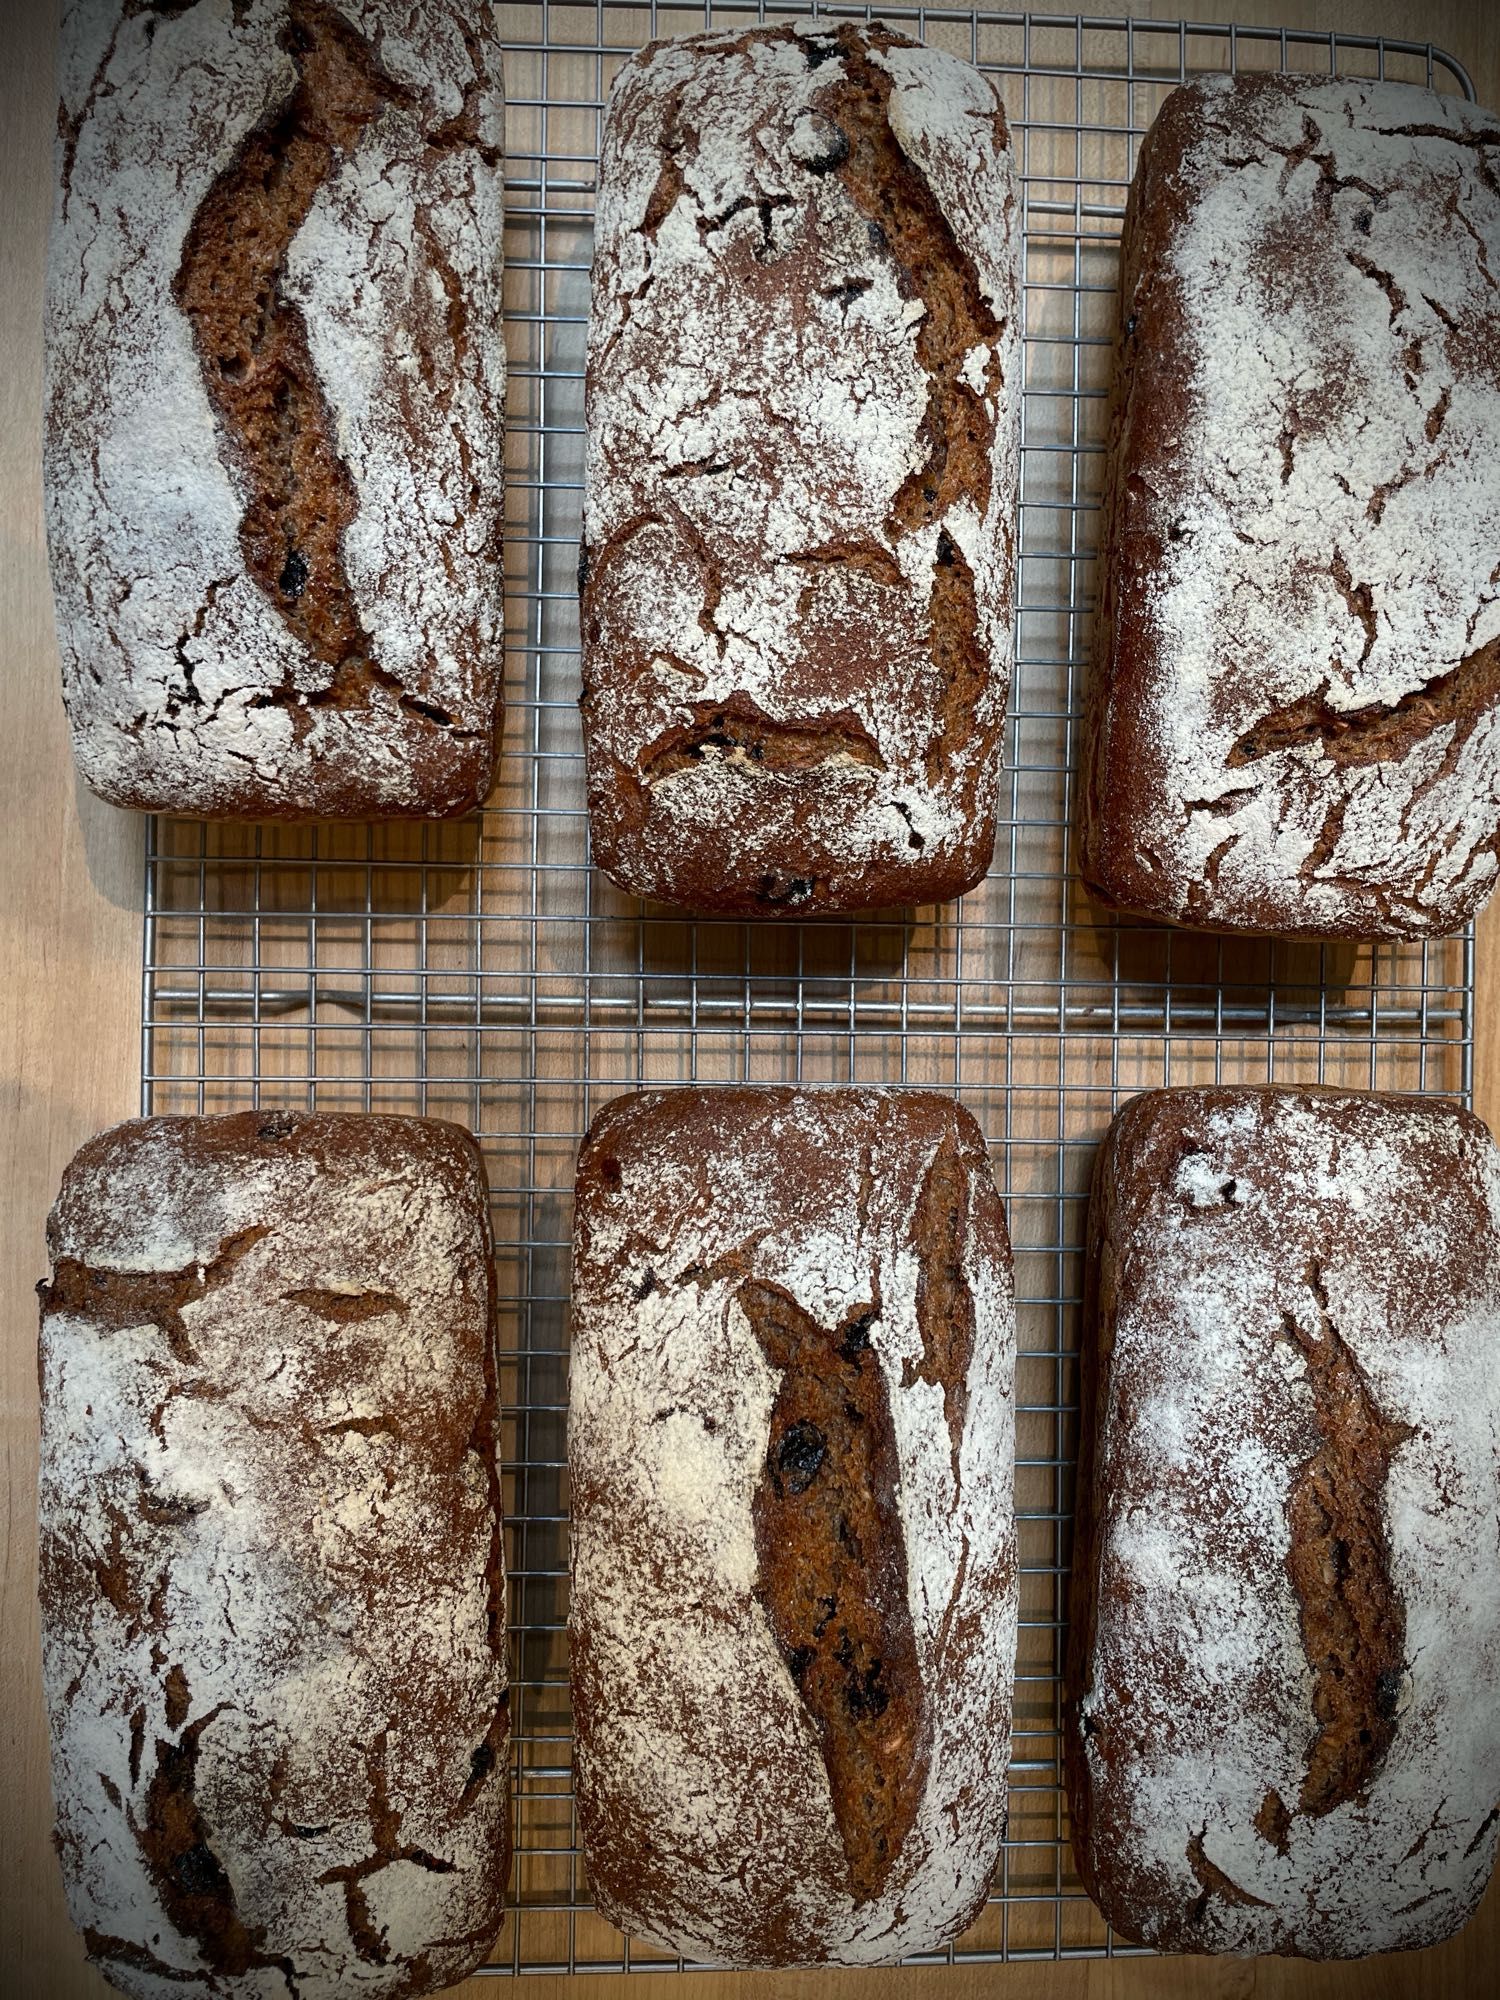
(69, 1064)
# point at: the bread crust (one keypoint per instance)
(1293, 718)
(1284, 1648)
(803, 405)
(272, 1573)
(793, 1340)
(275, 393)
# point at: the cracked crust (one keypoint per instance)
(803, 403)
(275, 404)
(1284, 1648)
(272, 1575)
(793, 1609)
(1293, 721)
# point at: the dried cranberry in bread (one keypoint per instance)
(1283, 1725)
(272, 1576)
(1294, 718)
(803, 406)
(275, 404)
(791, 1442)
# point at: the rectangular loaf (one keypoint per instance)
(790, 1450)
(1294, 717)
(803, 404)
(272, 1573)
(1283, 1724)
(275, 404)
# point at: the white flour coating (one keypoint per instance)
(699, 1750)
(283, 1528)
(170, 645)
(755, 398)
(1197, 1693)
(1329, 508)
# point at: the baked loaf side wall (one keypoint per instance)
(793, 1609)
(275, 404)
(1294, 717)
(1286, 1650)
(272, 1574)
(803, 409)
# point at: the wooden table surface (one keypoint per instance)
(70, 998)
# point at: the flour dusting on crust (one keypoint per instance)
(187, 686)
(1230, 1223)
(272, 1579)
(759, 398)
(704, 1800)
(1295, 720)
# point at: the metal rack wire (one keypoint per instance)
(481, 970)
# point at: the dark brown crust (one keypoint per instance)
(276, 435)
(736, 868)
(1352, 1615)
(1123, 794)
(830, 1553)
(178, 1841)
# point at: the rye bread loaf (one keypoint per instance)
(803, 404)
(272, 1575)
(1283, 1724)
(275, 404)
(1294, 716)
(790, 1449)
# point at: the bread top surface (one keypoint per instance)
(272, 1574)
(1295, 712)
(275, 404)
(1286, 1624)
(803, 409)
(738, 1255)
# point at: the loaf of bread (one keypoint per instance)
(275, 404)
(803, 403)
(272, 1576)
(790, 1450)
(1283, 1723)
(1294, 716)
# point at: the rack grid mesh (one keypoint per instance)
(481, 970)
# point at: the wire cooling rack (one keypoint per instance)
(480, 970)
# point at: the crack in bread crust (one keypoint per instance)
(741, 730)
(253, 347)
(832, 1572)
(1352, 1615)
(1383, 731)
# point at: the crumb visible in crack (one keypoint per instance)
(370, 1940)
(831, 1557)
(1352, 1615)
(117, 1300)
(945, 1305)
(176, 1847)
(1381, 732)
(739, 730)
(1273, 1821)
(254, 354)
(346, 1308)
(1483, 1828)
